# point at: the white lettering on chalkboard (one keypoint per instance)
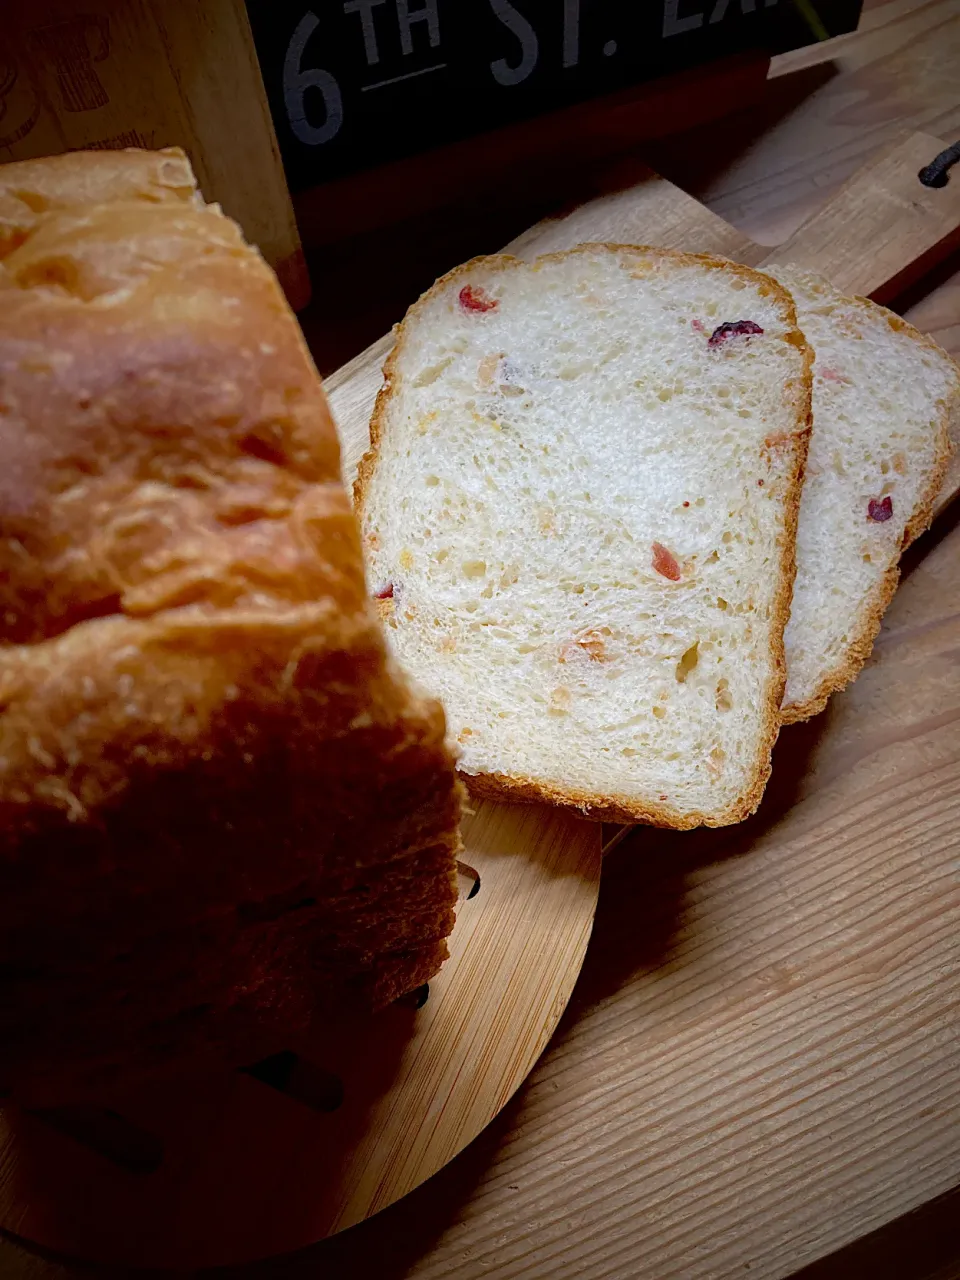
(296, 82)
(365, 9)
(673, 24)
(720, 9)
(571, 32)
(518, 26)
(406, 19)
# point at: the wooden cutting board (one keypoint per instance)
(880, 233)
(251, 1170)
(242, 1165)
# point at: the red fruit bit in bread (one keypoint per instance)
(831, 375)
(777, 439)
(733, 329)
(698, 325)
(880, 509)
(385, 592)
(473, 298)
(665, 562)
(592, 643)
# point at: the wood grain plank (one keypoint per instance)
(921, 1245)
(635, 205)
(828, 109)
(938, 313)
(882, 230)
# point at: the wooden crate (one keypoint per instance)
(78, 74)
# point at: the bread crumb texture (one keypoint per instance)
(586, 509)
(883, 397)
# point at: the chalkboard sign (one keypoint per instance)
(354, 83)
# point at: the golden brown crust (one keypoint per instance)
(860, 644)
(604, 808)
(32, 189)
(200, 715)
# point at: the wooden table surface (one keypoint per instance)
(596, 1170)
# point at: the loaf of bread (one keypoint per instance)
(579, 510)
(883, 397)
(224, 814)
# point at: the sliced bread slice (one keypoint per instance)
(579, 510)
(883, 395)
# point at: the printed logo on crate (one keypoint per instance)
(354, 83)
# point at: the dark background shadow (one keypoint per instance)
(364, 284)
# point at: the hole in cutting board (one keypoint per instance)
(416, 998)
(108, 1134)
(468, 881)
(288, 1073)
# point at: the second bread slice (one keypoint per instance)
(580, 509)
(883, 396)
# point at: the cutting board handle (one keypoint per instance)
(884, 229)
(937, 172)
